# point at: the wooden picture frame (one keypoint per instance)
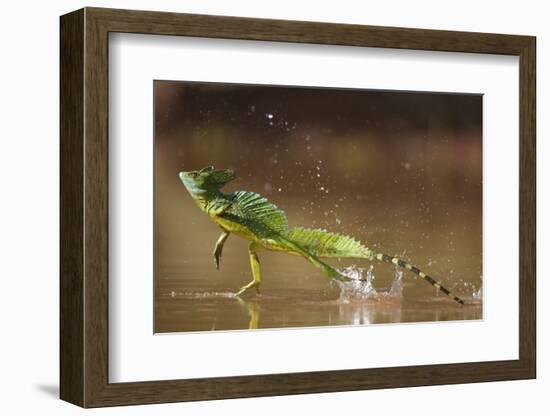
(84, 207)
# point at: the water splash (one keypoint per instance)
(471, 290)
(478, 294)
(361, 286)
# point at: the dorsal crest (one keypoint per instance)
(326, 244)
(255, 207)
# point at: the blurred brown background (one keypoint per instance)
(400, 171)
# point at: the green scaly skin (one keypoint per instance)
(253, 217)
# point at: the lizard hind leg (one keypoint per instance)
(255, 266)
(327, 269)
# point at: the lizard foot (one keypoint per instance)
(249, 286)
(217, 257)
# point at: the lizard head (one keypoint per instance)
(200, 182)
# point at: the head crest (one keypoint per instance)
(206, 179)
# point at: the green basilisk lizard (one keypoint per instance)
(254, 218)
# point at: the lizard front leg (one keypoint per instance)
(219, 247)
(256, 275)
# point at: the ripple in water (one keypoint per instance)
(361, 287)
(201, 295)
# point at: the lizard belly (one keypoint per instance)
(235, 227)
(243, 231)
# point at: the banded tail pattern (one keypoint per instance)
(402, 263)
(324, 244)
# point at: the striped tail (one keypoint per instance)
(401, 263)
(320, 243)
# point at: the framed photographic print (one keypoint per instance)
(256, 207)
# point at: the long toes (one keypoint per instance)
(245, 288)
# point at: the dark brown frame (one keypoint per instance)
(84, 207)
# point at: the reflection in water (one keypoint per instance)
(198, 311)
(382, 300)
(253, 310)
